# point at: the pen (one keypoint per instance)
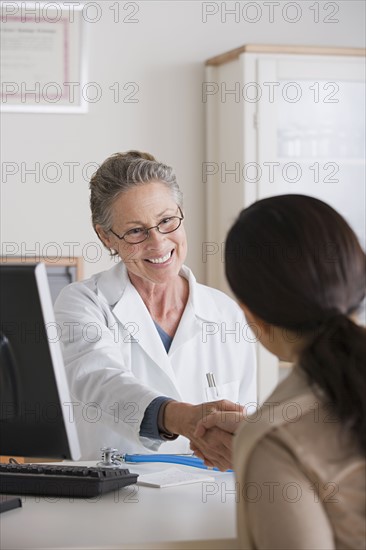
(212, 393)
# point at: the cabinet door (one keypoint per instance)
(311, 131)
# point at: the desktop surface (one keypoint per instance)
(132, 517)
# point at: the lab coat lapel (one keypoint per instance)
(130, 310)
(200, 308)
(187, 329)
(127, 305)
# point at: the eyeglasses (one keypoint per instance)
(140, 234)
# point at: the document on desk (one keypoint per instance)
(172, 477)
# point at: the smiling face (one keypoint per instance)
(159, 258)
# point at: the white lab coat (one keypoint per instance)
(116, 362)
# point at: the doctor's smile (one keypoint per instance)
(161, 260)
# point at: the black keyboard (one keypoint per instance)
(62, 481)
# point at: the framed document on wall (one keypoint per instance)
(43, 58)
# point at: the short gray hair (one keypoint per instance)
(124, 171)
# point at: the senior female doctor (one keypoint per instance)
(139, 339)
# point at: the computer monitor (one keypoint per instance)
(36, 415)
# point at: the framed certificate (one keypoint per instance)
(43, 58)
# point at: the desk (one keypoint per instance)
(199, 516)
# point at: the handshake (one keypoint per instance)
(208, 426)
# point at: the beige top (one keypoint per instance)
(300, 480)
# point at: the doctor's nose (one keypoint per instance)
(155, 236)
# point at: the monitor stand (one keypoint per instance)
(8, 502)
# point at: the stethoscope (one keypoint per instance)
(112, 458)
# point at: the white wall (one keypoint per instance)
(164, 54)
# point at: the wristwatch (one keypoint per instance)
(163, 432)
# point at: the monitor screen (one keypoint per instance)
(36, 417)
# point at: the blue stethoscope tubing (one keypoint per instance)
(186, 460)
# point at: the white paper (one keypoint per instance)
(172, 477)
(33, 53)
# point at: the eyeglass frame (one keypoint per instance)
(147, 229)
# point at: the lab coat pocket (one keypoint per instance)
(229, 390)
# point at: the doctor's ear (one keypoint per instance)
(104, 236)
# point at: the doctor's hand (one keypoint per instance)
(214, 444)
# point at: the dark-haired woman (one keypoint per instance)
(300, 461)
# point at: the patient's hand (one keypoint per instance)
(224, 419)
(219, 426)
(213, 444)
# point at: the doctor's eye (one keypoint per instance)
(136, 231)
(166, 221)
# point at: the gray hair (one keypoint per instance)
(124, 171)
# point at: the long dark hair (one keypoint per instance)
(297, 264)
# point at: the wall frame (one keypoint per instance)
(43, 58)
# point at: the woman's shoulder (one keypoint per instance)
(296, 421)
(297, 418)
(316, 458)
(317, 439)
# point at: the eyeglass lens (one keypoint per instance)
(138, 235)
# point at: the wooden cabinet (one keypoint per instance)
(281, 119)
